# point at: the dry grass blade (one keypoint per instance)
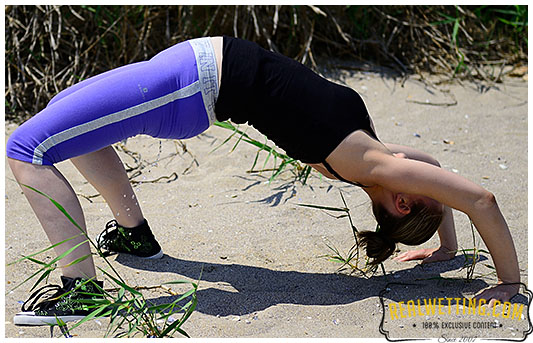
(351, 261)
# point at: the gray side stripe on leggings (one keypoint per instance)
(130, 112)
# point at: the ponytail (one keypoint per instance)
(378, 246)
(416, 227)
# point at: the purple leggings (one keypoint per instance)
(170, 96)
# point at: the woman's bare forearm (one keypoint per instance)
(447, 236)
(494, 231)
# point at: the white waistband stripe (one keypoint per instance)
(207, 73)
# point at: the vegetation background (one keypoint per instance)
(49, 48)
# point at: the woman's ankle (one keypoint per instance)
(129, 223)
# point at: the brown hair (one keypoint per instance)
(414, 228)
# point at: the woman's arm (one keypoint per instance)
(415, 177)
(360, 158)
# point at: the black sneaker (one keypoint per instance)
(75, 300)
(138, 241)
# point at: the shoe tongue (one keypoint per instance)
(68, 283)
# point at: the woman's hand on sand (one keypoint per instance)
(500, 293)
(427, 255)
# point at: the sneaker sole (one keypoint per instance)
(157, 256)
(153, 257)
(30, 319)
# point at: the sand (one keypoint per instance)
(259, 254)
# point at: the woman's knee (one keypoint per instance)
(17, 146)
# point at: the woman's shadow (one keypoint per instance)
(256, 288)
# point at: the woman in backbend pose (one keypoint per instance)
(178, 94)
